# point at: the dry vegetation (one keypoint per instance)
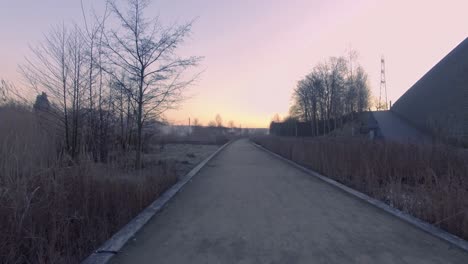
(57, 210)
(73, 169)
(427, 181)
(208, 136)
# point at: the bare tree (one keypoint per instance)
(55, 67)
(362, 89)
(276, 118)
(77, 71)
(93, 39)
(124, 109)
(219, 121)
(146, 52)
(212, 124)
(330, 92)
(196, 122)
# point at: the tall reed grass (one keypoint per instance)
(427, 181)
(54, 211)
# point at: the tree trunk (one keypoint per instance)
(139, 141)
(139, 122)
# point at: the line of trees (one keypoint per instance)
(218, 122)
(334, 89)
(105, 80)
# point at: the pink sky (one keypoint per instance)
(256, 51)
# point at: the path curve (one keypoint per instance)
(247, 206)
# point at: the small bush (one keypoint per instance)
(427, 181)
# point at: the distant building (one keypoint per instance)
(438, 102)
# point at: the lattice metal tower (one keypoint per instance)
(383, 86)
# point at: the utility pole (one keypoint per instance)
(383, 86)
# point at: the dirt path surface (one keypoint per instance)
(247, 206)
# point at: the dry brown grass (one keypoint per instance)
(52, 211)
(200, 136)
(427, 181)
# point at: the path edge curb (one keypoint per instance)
(114, 244)
(425, 226)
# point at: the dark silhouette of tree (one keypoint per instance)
(332, 90)
(212, 124)
(42, 103)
